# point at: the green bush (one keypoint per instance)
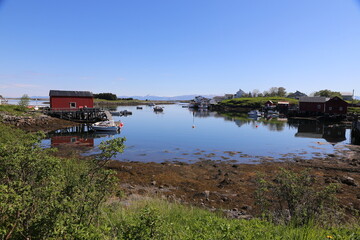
(294, 198)
(45, 197)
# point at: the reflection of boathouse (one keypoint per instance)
(72, 140)
(311, 129)
(79, 135)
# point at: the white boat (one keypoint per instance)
(106, 126)
(254, 113)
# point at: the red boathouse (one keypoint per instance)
(70, 100)
(323, 105)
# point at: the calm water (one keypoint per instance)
(179, 134)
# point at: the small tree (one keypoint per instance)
(281, 92)
(327, 93)
(24, 101)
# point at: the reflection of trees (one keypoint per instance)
(241, 119)
(274, 126)
(202, 113)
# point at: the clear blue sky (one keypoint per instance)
(178, 47)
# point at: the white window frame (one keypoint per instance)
(72, 103)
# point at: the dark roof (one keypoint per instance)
(314, 99)
(61, 93)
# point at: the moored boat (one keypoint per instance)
(158, 109)
(106, 126)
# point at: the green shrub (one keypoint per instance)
(45, 197)
(294, 198)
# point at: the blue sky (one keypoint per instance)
(178, 47)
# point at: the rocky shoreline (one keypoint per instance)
(35, 121)
(231, 187)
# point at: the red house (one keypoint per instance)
(70, 100)
(321, 105)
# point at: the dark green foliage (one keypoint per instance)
(295, 198)
(42, 196)
(106, 96)
(327, 93)
(126, 99)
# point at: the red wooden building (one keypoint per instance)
(323, 105)
(70, 100)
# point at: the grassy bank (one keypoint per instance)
(159, 219)
(256, 102)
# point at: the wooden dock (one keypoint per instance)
(83, 115)
(355, 131)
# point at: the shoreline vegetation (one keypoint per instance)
(46, 196)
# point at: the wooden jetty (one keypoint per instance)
(83, 115)
(355, 131)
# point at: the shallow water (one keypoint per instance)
(178, 134)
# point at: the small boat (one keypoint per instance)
(158, 109)
(106, 126)
(139, 108)
(254, 113)
(125, 113)
(273, 114)
(113, 113)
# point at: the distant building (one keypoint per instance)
(217, 99)
(347, 96)
(283, 107)
(321, 105)
(239, 94)
(229, 96)
(297, 95)
(269, 103)
(70, 100)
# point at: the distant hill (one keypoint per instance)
(183, 97)
(40, 97)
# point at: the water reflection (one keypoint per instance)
(314, 129)
(182, 133)
(80, 135)
(241, 119)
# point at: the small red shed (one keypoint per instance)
(70, 100)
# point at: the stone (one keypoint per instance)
(349, 181)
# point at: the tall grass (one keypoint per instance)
(158, 219)
(13, 109)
